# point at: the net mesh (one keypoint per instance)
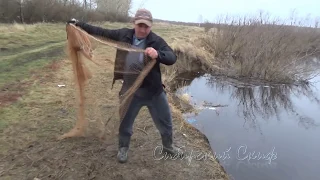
(131, 65)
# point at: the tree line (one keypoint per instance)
(32, 11)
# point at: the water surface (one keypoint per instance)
(263, 132)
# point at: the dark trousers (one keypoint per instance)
(159, 109)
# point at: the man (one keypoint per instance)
(151, 92)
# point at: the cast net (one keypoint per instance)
(131, 66)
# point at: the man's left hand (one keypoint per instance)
(151, 52)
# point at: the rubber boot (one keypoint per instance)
(123, 149)
(169, 148)
(123, 154)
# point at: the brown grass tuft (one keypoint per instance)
(192, 57)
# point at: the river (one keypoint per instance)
(261, 132)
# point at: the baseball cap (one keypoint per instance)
(143, 16)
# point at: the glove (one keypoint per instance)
(73, 21)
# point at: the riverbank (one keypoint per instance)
(31, 124)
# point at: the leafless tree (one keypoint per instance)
(30, 11)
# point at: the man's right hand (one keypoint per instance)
(72, 21)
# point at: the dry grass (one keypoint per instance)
(265, 51)
(15, 27)
(192, 57)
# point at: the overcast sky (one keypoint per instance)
(189, 11)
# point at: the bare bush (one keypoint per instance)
(207, 26)
(260, 49)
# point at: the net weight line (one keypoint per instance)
(79, 44)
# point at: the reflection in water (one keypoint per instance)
(184, 79)
(265, 101)
(282, 112)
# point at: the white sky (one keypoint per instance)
(189, 11)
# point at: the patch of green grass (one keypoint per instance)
(18, 66)
(15, 112)
(38, 50)
(3, 123)
(31, 118)
(17, 37)
(25, 48)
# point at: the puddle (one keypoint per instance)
(262, 132)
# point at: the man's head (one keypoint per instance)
(142, 23)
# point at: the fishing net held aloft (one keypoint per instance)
(132, 66)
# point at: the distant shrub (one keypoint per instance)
(33, 11)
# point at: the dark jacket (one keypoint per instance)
(153, 81)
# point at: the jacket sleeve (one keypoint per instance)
(165, 53)
(94, 30)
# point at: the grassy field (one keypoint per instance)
(35, 111)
